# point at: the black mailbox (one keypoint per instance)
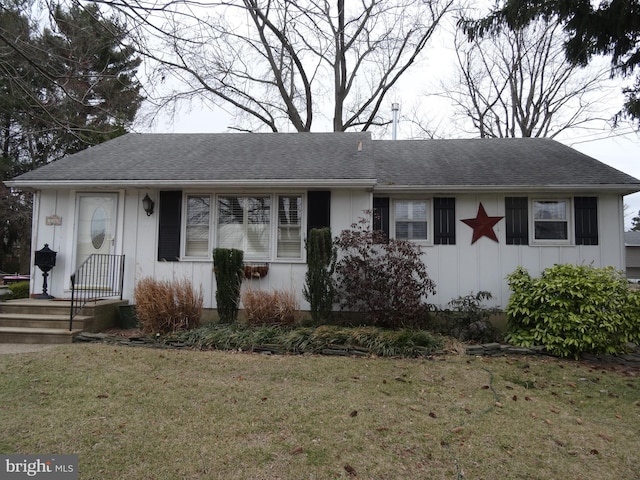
(45, 260)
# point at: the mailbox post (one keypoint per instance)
(45, 260)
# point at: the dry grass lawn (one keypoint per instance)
(136, 413)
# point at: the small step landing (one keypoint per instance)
(27, 335)
(34, 321)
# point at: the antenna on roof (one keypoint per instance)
(394, 132)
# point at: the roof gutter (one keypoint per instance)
(276, 183)
(624, 189)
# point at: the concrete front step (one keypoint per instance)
(47, 321)
(32, 320)
(30, 305)
(25, 335)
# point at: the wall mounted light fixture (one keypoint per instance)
(147, 204)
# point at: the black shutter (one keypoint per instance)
(381, 214)
(444, 221)
(170, 212)
(517, 220)
(318, 209)
(586, 220)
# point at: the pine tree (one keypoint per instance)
(63, 88)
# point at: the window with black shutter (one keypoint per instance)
(318, 209)
(381, 214)
(444, 221)
(516, 220)
(586, 220)
(169, 218)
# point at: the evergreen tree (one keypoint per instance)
(63, 87)
(635, 223)
(610, 28)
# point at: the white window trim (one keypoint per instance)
(276, 226)
(429, 209)
(183, 227)
(273, 225)
(269, 256)
(569, 241)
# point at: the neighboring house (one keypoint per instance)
(481, 208)
(632, 254)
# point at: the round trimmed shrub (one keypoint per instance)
(573, 309)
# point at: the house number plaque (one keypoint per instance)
(53, 220)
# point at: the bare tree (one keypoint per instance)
(520, 84)
(281, 63)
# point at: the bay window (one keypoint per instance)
(191, 225)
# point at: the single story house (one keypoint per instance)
(480, 207)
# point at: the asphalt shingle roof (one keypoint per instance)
(229, 157)
(475, 162)
(223, 156)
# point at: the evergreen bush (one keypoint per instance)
(573, 309)
(229, 272)
(319, 289)
(19, 290)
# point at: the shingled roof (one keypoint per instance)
(303, 159)
(494, 163)
(214, 158)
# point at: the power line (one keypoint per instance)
(590, 138)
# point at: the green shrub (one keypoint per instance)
(164, 306)
(467, 319)
(229, 272)
(319, 289)
(573, 309)
(383, 278)
(19, 290)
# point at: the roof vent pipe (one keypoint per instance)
(394, 132)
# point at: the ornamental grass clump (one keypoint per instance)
(277, 307)
(315, 340)
(573, 309)
(164, 306)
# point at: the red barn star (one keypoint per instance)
(482, 225)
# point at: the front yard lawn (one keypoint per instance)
(139, 413)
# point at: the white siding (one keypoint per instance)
(456, 269)
(465, 268)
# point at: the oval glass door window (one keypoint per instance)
(98, 227)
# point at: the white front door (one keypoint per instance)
(96, 224)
